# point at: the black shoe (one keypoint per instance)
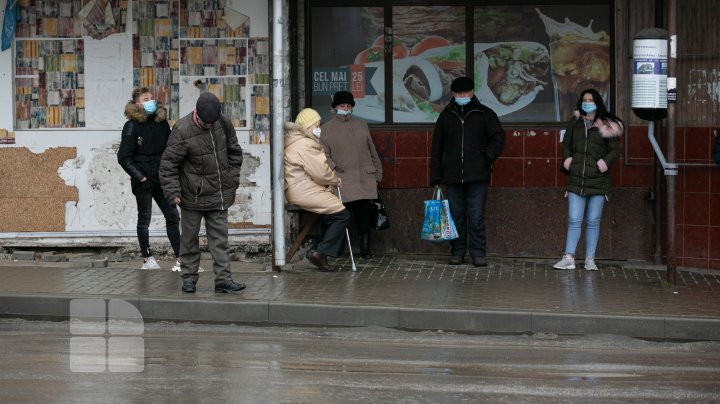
(456, 260)
(479, 261)
(229, 286)
(319, 260)
(188, 286)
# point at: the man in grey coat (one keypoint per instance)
(200, 171)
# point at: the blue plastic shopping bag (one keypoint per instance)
(438, 225)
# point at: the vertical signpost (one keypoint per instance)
(650, 102)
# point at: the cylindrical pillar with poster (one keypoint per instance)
(650, 84)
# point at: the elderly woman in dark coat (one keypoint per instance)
(351, 153)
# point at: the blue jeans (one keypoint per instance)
(576, 208)
(467, 207)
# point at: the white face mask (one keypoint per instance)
(317, 132)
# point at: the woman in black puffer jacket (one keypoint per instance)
(590, 146)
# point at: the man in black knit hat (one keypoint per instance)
(200, 171)
(468, 138)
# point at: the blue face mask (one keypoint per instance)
(150, 106)
(342, 112)
(589, 107)
(462, 100)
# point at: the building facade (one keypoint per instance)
(70, 72)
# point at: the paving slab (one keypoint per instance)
(417, 292)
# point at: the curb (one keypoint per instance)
(57, 308)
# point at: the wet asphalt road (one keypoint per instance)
(191, 363)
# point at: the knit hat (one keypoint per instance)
(208, 108)
(461, 84)
(343, 97)
(307, 118)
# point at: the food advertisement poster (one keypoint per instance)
(529, 63)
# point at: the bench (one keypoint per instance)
(302, 224)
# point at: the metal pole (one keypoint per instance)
(277, 145)
(672, 61)
(657, 200)
(657, 168)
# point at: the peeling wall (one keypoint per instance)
(68, 180)
(48, 188)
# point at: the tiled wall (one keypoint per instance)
(531, 159)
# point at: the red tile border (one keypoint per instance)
(514, 144)
(412, 144)
(695, 211)
(698, 144)
(695, 242)
(696, 179)
(714, 243)
(411, 173)
(695, 262)
(507, 172)
(636, 176)
(385, 142)
(539, 143)
(638, 143)
(388, 181)
(540, 172)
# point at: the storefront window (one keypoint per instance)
(529, 62)
(347, 54)
(430, 55)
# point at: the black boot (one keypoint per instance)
(365, 245)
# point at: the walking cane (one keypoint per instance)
(347, 233)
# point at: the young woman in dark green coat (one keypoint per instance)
(590, 146)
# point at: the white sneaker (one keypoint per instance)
(567, 262)
(590, 264)
(176, 267)
(150, 263)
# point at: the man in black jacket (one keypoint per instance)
(468, 138)
(200, 171)
(143, 141)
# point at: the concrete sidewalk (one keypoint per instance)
(416, 292)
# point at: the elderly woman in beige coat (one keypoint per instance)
(351, 153)
(310, 184)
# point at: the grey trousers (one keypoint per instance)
(216, 227)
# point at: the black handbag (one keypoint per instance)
(379, 219)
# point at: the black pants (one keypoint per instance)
(360, 210)
(334, 225)
(145, 192)
(467, 207)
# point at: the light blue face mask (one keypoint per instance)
(342, 112)
(462, 100)
(589, 107)
(150, 106)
